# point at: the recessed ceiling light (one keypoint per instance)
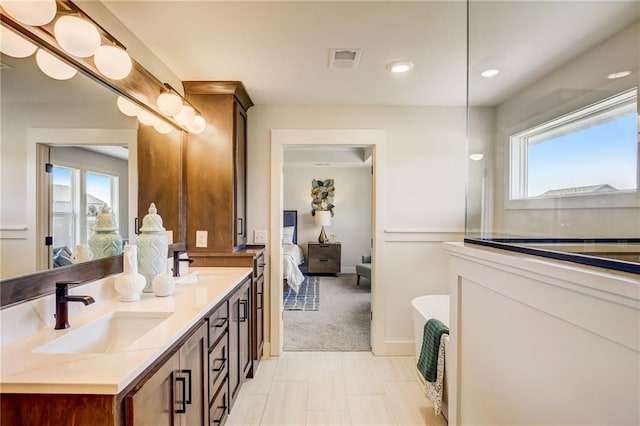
(399, 66)
(490, 73)
(620, 74)
(476, 157)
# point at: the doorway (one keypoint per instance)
(327, 192)
(373, 140)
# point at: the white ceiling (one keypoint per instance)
(280, 50)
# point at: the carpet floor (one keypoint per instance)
(343, 322)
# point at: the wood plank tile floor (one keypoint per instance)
(334, 389)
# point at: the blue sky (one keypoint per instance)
(97, 185)
(606, 153)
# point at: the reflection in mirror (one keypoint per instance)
(553, 130)
(84, 180)
(42, 119)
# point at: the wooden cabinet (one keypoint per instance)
(324, 258)
(240, 360)
(257, 323)
(177, 393)
(219, 360)
(160, 172)
(216, 166)
(193, 383)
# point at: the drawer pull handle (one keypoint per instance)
(188, 398)
(259, 300)
(324, 260)
(222, 364)
(220, 322)
(183, 381)
(244, 304)
(219, 419)
(262, 265)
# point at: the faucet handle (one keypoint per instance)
(62, 284)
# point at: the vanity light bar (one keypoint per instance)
(110, 65)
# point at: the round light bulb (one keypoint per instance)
(146, 118)
(77, 36)
(31, 12)
(54, 67)
(197, 126)
(14, 45)
(127, 107)
(162, 127)
(169, 103)
(186, 115)
(113, 62)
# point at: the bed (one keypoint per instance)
(292, 254)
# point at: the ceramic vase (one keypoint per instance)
(153, 247)
(82, 253)
(105, 242)
(130, 283)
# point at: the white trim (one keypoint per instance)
(375, 139)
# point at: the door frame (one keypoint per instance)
(375, 139)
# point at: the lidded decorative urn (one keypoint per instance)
(105, 241)
(153, 247)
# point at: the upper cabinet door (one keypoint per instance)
(240, 187)
(160, 177)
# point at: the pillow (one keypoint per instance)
(287, 234)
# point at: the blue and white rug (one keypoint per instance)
(308, 297)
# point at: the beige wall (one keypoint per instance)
(351, 224)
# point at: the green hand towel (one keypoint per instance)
(428, 361)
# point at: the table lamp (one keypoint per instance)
(323, 218)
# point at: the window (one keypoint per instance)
(65, 200)
(100, 189)
(73, 188)
(591, 151)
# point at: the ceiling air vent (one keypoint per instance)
(344, 59)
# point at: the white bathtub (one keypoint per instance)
(426, 307)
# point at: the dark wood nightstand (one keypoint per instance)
(323, 258)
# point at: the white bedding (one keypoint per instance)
(292, 257)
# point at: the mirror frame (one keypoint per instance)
(139, 86)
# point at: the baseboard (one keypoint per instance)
(395, 348)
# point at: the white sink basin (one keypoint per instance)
(193, 277)
(111, 333)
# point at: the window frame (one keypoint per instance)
(515, 195)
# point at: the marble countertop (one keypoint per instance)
(24, 370)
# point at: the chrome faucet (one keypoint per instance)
(62, 298)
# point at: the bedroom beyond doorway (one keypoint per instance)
(341, 323)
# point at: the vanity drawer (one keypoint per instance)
(219, 408)
(218, 323)
(218, 366)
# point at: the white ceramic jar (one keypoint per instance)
(153, 247)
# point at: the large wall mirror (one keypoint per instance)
(75, 125)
